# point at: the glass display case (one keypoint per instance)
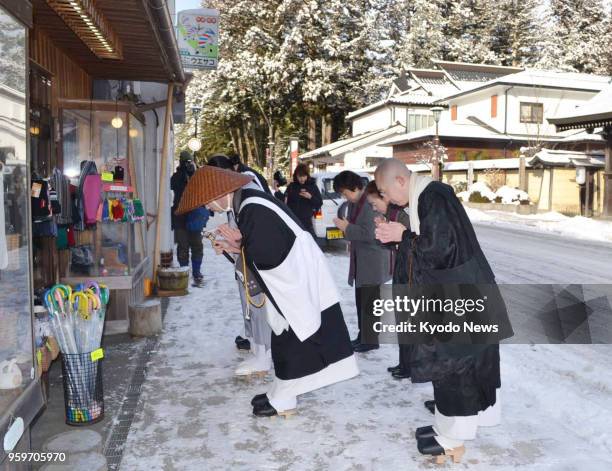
(111, 135)
(20, 391)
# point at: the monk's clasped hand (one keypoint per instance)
(390, 232)
(230, 233)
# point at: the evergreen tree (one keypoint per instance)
(517, 32)
(581, 32)
(469, 32)
(424, 40)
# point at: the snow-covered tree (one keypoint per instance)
(469, 32)
(582, 33)
(424, 40)
(517, 32)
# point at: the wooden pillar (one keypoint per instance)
(470, 175)
(163, 184)
(607, 196)
(522, 173)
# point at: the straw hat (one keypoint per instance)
(208, 184)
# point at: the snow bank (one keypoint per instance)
(480, 187)
(576, 226)
(507, 194)
(476, 215)
(510, 195)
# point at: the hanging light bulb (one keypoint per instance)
(194, 144)
(117, 122)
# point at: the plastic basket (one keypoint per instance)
(83, 394)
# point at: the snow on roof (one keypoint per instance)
(582, 136)
(463, 165)
(449, 66)
(473, 128)
(406, 98)
(450, 129)
(510, 163)
(597, 108)
(346, 145)
(568, 158)
(544, 79)
(545, 156)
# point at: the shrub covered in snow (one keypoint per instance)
(477, 197)
(485, 194)
(507, 195)
(482, 193)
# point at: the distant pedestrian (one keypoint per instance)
(303, 197)
(279, 181)
(185, 239)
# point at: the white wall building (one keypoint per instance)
(405, 110)
(509, 112)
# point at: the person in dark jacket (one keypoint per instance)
(184, 239)
(442, 250)
(279, 181)
(303, 197)
(369, 260)
(258, 183)
(392, 213)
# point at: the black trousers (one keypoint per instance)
(186, 241)
(405, 353)
(364, 302)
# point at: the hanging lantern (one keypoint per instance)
(117, 122)
(194, 144)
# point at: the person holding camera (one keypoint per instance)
(303, 197)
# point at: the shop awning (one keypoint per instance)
(141, 29)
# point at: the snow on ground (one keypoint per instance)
(576, 226)
(195, 415)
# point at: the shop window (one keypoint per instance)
(532, 113)
(108, 134)
(15, 290)
(41, 123)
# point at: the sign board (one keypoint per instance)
(198, 38)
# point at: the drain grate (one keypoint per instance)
(117, 437)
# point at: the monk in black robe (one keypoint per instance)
(310, 341)
(443, 249)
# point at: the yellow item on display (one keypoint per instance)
(97, 354)
(108, 177)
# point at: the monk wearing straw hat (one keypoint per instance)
(311, 347)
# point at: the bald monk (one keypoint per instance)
(442, 249)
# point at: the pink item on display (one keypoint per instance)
(92, 189)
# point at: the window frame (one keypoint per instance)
(533, 118)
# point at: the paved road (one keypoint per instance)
(524, 256)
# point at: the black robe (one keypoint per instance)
(304, 208)
(267, 241)
(465, 377)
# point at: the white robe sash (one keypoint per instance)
(300, 294)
